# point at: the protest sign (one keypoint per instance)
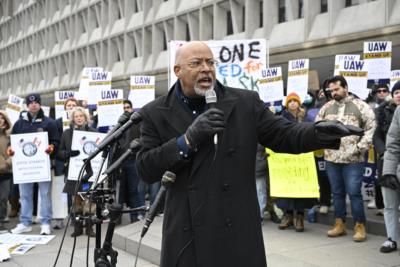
(298, 77)
(340, 58)
(239, 61)
(86, 143)
(142, 90)
(30, 162)
(110, 107)
(84, 82)
(14, 107)
(270, 84)
(59, 100)
(293, 176)
(46, 110)
(378, 59)
(355, 73)
(98, 81)
(394, 77)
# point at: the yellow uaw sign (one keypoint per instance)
(293, 176)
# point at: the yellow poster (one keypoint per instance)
(293, 176)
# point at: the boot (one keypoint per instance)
(14, 203)
(89, 229)
(338, 229)
(359, 233)
(287, 221)
(78, 229)
(299, 223)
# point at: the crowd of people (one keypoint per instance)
(206, 217)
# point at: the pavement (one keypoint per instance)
(284, 248)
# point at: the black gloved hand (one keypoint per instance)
(333, 130)
(74, 153)
(205, 126)
(389, 181)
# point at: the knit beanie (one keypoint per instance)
(33, 97)
(292, 96)
(395, 87)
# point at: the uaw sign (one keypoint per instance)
(339, 59)
(59, 100)
(239, 61)
(142, 90)
(356, 76)
(394, 77)
(270, 84)
(298, 77)
(378, 59)
(14, 107)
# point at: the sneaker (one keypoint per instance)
(388, 246)
(371, 204)
(21, 228)
(6, 219)
(58, 224)
(45, 229)
(379, 212)
(323, 209)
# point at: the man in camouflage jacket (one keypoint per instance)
(345, 166)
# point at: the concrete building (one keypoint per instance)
(44, 44)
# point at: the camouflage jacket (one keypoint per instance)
(351, 111)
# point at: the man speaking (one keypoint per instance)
(211, 215)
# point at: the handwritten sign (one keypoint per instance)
(270, 84)
(59, 100)
(14, 107)
(378, 59)
(298, 77)
(293, 176)
(239, 61)
(110, 107)
(142, 90)
(356, 75)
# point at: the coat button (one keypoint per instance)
(186, 228)
(225, 187)
(228, 222)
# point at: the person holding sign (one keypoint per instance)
(33, 121)
(79, 121)
(345, 166)
(211, 215)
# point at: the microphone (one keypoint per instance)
(135, 118)
(134, 146)
(211, 100)
(167, 179)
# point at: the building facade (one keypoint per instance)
(44, 44)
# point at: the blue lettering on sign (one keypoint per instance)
(113, 94)
(65, 95)
(99, 76)
(353, 65)
(142, 80)
(381, 46)
(396, 73)
(269, 72)
(15, 100)
(230, 70)
(298, 64)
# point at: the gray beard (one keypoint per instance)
(201, 92)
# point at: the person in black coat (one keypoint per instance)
(79, 121)
(211, 215)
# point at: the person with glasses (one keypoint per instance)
(211, 213)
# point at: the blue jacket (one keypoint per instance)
(41, 124)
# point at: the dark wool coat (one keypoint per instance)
(211, 215)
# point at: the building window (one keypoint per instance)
(229, 25)
(324, 6)
(187, 32)
(281, 11)
(261, 15)
(301, 9)
(351, 3)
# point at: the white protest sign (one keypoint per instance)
(298, 77)
(46, 110)
(142, 90)
(84, 82)
(270, 84)
(110, 107)
(86, 143)
(378, 59)
(340, 58)
(59, 100)
(30, 162)
(25, 239)
(14, 107)
(239, 61)
(356, 74)
(394, 77)
(98, 81)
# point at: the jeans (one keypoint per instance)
(347, 178)
(152, 189)
(26, 191)
(129, 187)
(391, 199)
(261, 185)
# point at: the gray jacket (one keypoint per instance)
(392, 155)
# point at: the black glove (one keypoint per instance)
(74, 153)
(205, 126)
(389, 181)
(333, 130)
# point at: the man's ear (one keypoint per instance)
(177, 70)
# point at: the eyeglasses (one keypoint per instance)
(127, 107)
(197, 63)
(382, 91)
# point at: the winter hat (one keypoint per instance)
(33, 97)
(292, 96)
(395, 87)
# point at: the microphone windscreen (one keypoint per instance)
(211, 96)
